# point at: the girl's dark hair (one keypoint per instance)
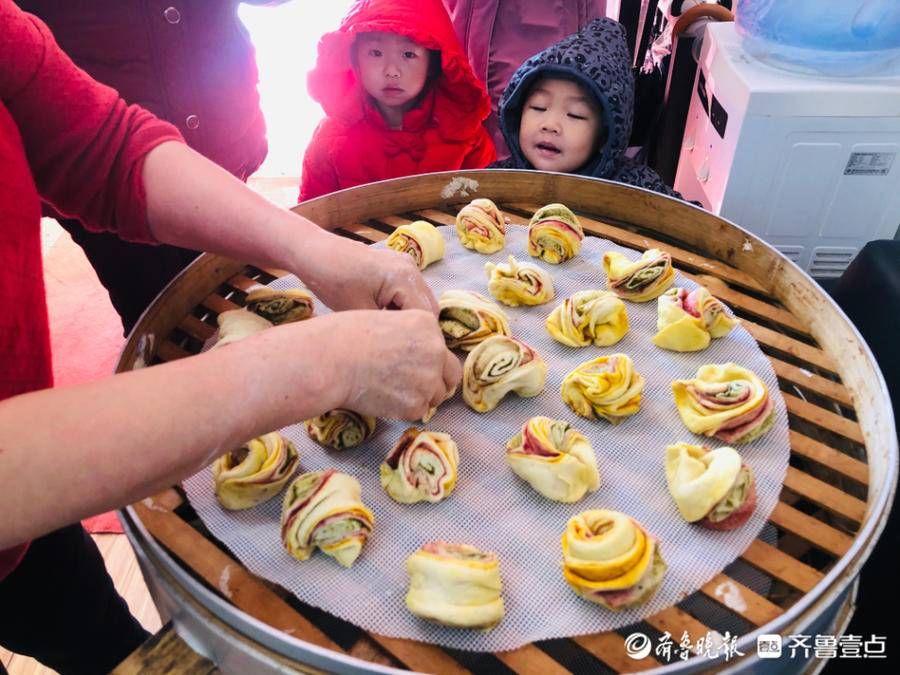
(434, 67)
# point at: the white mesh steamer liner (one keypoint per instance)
(493, 509)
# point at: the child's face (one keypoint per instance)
(392, 68)
(560, 126)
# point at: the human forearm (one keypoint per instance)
(193, 203)
(72, 452)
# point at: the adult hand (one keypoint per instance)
(392, 364)
(360, 277)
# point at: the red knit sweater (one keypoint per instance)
(75, 143)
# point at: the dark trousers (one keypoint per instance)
(60, 607)
(134, 274)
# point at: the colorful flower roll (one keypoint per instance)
(606, 387)
(641, 280)
(711, 487)
(608, 558)
(498, 366)
(481, 226)
(468, 318)
(324, 509)
(725, 401)
(587, 317)
(687, 320)
(420, 467)
(421, 240)
(455, 585)
(340, 428)
(254, 472)
(554, 458)
(554, 234)
(518, 283)
(294, 304)
(237, 324)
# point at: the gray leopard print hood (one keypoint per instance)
(598, 59)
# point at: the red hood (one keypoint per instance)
(461, 98)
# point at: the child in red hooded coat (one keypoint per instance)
(400, 98)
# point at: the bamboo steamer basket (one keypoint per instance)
(835, 500)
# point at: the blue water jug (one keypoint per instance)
(831, 37)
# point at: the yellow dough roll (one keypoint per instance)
(340, 428)
(455, 585)
(711, 487)
(324, 509)
(237, 324)
(554, 234)
(641, 280)
(687, 320)
(294, 304)
(608, 558)
(498, 366)
(420, 467)
(725, 401)
(254, 472)
(480, 226)
(421, 240)
(597, 317)
(468, 318)
(518, 283)
(606, 387)
(554, 458)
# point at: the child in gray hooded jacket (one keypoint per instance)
(570, 108)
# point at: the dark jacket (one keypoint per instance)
(353, 144)
(190, 62)
(597, 58)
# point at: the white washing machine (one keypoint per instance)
(810, 164)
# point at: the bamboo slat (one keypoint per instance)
(216, 303)
(812, 382)
(676, 622)
(196, 328)
(796, 348)
(811, 529)
(741, 600)
(169, 351)
(823, 418)
(242, 282)
(828, 496)
(781, 566)
(829, 457)
(610, 648)
(418, 656)
(530, 660)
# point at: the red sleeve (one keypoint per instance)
(482, 154)
(84, 145)
(317, 177)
